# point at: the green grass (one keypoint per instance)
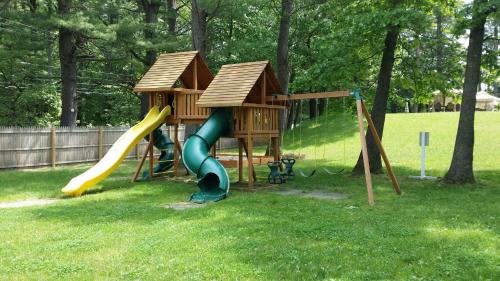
(121, 232)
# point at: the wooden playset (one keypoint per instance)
(184, 82)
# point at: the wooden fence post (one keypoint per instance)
(53, 146)
(99, 143)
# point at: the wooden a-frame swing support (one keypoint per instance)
(361, 111)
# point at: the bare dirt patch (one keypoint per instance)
(27, 203)
(181, 206)
(314, 194)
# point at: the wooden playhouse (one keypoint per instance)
(177, 80)
(247, 88)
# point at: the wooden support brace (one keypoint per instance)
(151, 140)
(376, 137)
(364, 150)
(245, 148)
(141, 162)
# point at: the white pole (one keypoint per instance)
(422, 155)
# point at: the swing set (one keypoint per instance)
(316, 169)
(279, 175)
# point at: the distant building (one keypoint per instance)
(484, 101)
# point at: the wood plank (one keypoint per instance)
(240, 160)
(308, 96)
(250, 148)
(141, 163)
(364, 150)
(176, 150)
(376, 137)
(151, 139)
(256, 105)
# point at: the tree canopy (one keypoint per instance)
(332, 45)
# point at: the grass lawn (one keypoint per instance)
(121, 231)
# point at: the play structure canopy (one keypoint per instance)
(168, 69)
(236, 84)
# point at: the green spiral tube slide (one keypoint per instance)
(213, 180)
(166, 159)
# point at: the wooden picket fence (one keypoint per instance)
(31, 147)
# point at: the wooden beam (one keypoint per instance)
(376, 137)
(155, 90)
(240, 160)
(364, 150)
(151, 139)
(141, 162)
(263, 88)
(255, 105)
(176, 150)
(250, 117)
(309, 96)
(195, 74)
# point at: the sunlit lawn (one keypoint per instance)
(121, 230)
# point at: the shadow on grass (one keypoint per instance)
(432, 231)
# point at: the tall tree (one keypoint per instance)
(461, 168)
(172, 17)
(381, 97)
(283, 44)
(151, 9)
(67, 57)
(282, 53)
(199, 16)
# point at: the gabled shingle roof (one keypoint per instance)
(234, 82)
(171, 67)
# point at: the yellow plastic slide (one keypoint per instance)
(116, 153)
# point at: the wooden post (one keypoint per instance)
(276, 148)
(176, 149)
(151, 140)
(141, 162)
(366, 162)
(53, 148)
(263, 88)
(137, 152)
(376, 137)
(250, 146)
(240, 160)
(214, 150)
(99, 143)
(195, 74)
(245, 149)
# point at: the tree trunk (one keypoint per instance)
(199, 27)
(298, 114)
(50, 48)
(151, 8)
(291, 114)
(380, 103)
(67, 59)
(282, 53)
(313, 108)
(321, 106)
(172, 17)
(461, 168)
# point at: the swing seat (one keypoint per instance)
(289, 174)
(275, 177)
(326, 170)
(303, 173)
